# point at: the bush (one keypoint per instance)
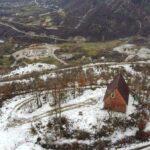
(142, 136)
(49, 125)
(141, 125)
(66, 146)
(61, 126)
(33, 131)
(82, 135)
(124, 141)
(104, 131)
(99, 145)
(64, 121)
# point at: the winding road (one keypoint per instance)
(33, 35)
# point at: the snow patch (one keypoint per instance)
(31, 68)
(118, 135)
(132, 51)
(1, 41)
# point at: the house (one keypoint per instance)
(117, 95)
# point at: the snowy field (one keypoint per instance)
(15, 125)
(19, 114)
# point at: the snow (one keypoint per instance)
(85, 112)
(124, 48)
(130, 108)
(144, 53)
(137, 146)
(31, 68)
(16, 81)
(118, 135)
(47, 76)
(147, 127)
(88, 97)
(92, 114)
(132, 51)
(29, 146)
(35, 51)
(1, 41)
(127, 67)
(68, 141)
(13, 137)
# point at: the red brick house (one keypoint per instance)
(117, 95)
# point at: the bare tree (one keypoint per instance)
(37, 85)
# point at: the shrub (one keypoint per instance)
(49, 125)
(141, 125)
(64, 121)
(70, 146)
(142, 136)
(33, 131)
(124, 141)
(99, 145)
(82, 135)
(60, 126)
(104, 131)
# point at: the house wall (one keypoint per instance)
(115, 104)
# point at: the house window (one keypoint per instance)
(113, 95)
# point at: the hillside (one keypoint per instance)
(75, 74)
(105, 19)
(48, 108)
(95, 20)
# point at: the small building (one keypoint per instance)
(117, 95)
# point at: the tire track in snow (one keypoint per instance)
(142, 147)
(52, 112)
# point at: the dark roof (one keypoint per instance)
(120, 84)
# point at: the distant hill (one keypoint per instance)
(107, 19)
(95, 19)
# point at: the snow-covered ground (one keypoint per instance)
(17, 81)
(13, 137)
(137, 146)
(147, 127)
(132, 51)
(38, 67)
(1, 41)
(85, 111)
(15, 130)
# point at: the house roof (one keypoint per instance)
(120, 84)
